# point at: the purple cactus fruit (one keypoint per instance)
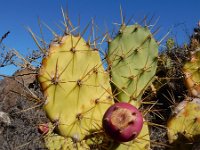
(122, 122)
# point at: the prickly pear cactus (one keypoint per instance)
(76, 87)
(132, 59)
(191, 70)
(186, 121)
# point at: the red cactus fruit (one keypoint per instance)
(43, 128)
(122, 122)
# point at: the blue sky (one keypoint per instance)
(178, 16)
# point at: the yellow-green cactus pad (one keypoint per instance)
(54, 141)
(186, 121)
(132, 59)
(76, 87)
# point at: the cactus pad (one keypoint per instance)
(186, 121)
(132, 59)
(54, 141)
(75, 86)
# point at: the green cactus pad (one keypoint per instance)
(132, 59)
(191, 70)
(76, 87)
(186, 121)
